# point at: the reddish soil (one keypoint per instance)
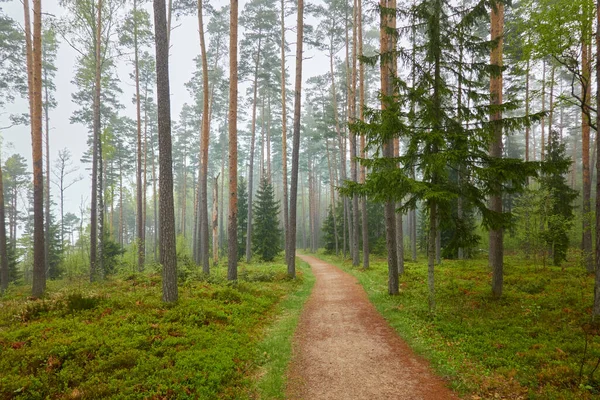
(344, 349)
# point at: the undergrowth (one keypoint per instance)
(531, 344)
(117, 339)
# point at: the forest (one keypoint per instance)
(183, 183)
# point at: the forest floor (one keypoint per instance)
(536, 342)
(344, 349)
(116, 339)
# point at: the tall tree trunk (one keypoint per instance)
(204, 139)
(39, 270)
(141, 242)
(251, 164)
(47, 188)
(215, 222)
(527, 129)
(154, 200)
(387, 72)
(346, 219)
(585, 149)
(286, 229)
(232, 121)
(4, 274)
(95, 148)
(596, 308)
(353, 141)
(363, 171)
(543, 122)
(168, 252)
(296, 141)
(399, 228)
(496, 251)
(332, 190)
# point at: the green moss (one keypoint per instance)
(116, 339)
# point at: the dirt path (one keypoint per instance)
(344, 349)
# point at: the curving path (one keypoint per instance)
(344, 349)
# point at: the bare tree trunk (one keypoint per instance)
(155, 201)
(205, 139)
(39, 272)
(353, 141)
(47, 189)
(95, 149)
(332, 190)
(4, 274)
(168, 252)
(232, 121)
(363, 171)
(286, 228)
(140, 210)
(296, 141)
(215, 222)
(543, 122)
(251, 164)
(527, 129)
(596, 308)
(585, 149)
(496, 252)
(387, 72)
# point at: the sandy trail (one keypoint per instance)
(344, 349)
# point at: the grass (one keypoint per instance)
(276, 347)
(118, 340)
(531, 344)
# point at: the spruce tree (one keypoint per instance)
(266, 236)
(441, 134)
(559, 213)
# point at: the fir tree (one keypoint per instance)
(241, 220)
(329, 232)
(559, 212)
(266, 240)
(441, 132)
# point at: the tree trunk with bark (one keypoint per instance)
(286, 229)
(232, 121)
(4, 274)
(586, 243)
(363, 170)
(296, 141)
(496, 251)
(204, 156)
(215, 222)
(168, 252)
(39, 270)
(251, 164)
(596, 308)
(387, 72)
(139, 198)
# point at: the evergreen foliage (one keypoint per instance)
(329, 232)
(560, 198)
(266, 240)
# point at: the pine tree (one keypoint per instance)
(266, 241)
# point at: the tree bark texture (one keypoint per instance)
(296, 141)
(168, 252)
(205, 143)
(496, 251)
(232, 121)
(39, 270)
